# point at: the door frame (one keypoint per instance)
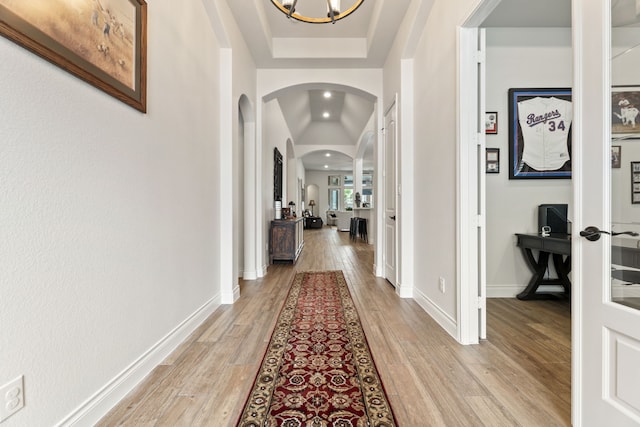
(470, 256)
(394, 195)
(468, 252)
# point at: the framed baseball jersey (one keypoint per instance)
(540, 133)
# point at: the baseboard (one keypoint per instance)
(249, 275)
(98, 405)
(229, 296)
(510, 291)
(404, 290)
(377, 270)
(443, 319)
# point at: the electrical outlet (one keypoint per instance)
(441, 285)
(11, 398)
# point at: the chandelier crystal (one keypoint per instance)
(288, 7)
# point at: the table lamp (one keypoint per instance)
(312, 203)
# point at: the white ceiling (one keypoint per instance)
(362, 40)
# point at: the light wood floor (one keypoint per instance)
(519, 377)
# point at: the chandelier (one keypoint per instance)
(288, 7)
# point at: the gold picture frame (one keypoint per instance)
(104, 46)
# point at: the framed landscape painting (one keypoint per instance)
(540, 133)
(100, 41)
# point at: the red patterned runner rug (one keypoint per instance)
(318, 370)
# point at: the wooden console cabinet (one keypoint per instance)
(286, 240)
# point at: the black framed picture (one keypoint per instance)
(540, 133)
(635, 183)
(616, 156)
(277, 175)
(492, 160)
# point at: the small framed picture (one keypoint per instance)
(635, 183)
(491, 122)
(493, 160)
(616, 156)
(334, 180)
(625, 101)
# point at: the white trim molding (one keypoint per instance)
(98, 405)
(447, 322)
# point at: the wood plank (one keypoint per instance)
(521, 375)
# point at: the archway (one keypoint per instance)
(272, 85)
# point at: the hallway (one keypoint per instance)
(520, 376)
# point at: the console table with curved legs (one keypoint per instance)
(558, 246)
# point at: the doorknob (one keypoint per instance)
(593, 233)
(393, 217)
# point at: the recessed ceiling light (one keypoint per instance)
(326, 114)
(327, 94)
(326, 166)
(328, 155)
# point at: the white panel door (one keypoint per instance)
(390, 195)
(606, 315)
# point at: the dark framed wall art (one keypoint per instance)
(492, 160)
(635, 183)
(277, 175)
(104, 46)
(540, 133)
(625, 112)
(616, 156)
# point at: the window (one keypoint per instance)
(342, 192)
(367, 190)
(334, 199)
(348, 198)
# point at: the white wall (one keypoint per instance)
(275, 134)
(519, 58)
(272, 127)
(243, 82)
(321, 179)
(109, 218)
(301, 173)
(435, 173)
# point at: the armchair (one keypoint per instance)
(331, 217)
